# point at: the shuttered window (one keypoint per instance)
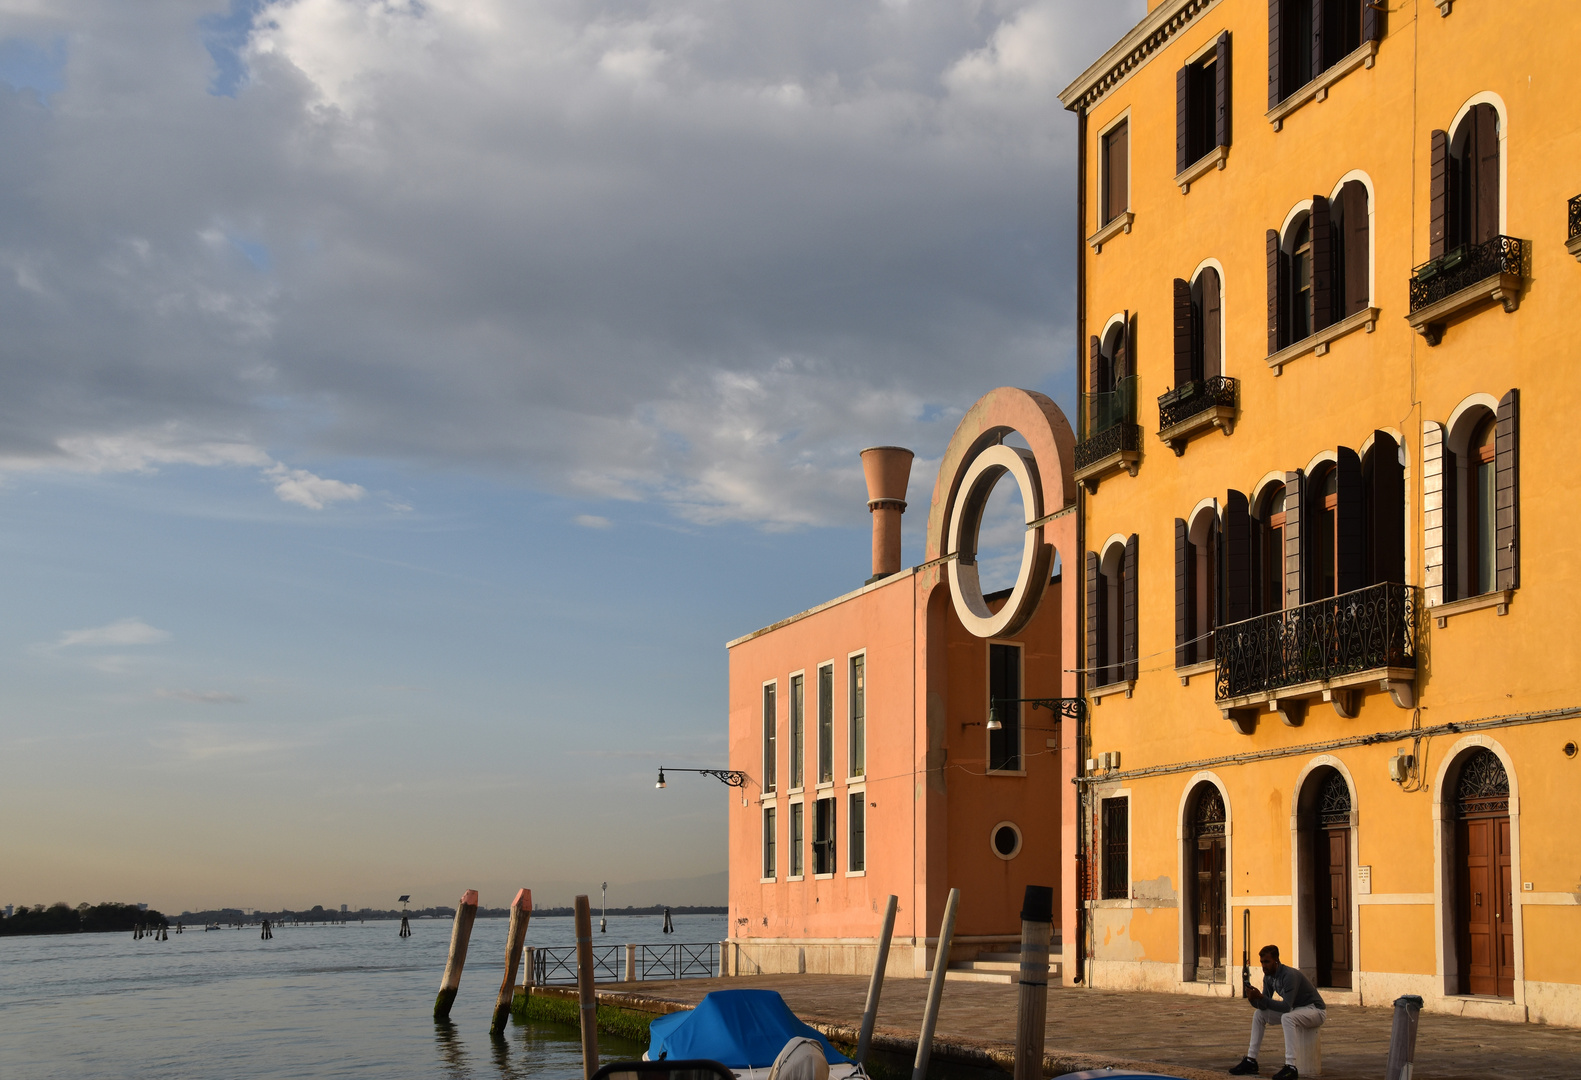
(1114, 160)
(1306, 290)
(1307, 37)
(1336, 554)
(856, 847)
(1198, 334)
(1116, 824)
(1202, 105)
(1383, 477)
(1196, 587)
(1112, 614)
(823, 845)
(1238, 576)
(1352, 285)
(1480, 550)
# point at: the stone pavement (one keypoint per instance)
(1194, 1037)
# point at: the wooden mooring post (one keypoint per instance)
(521, 912)
(586, 999)
(875, 986)
(1037, 929)
(941, 961)
(460, 934)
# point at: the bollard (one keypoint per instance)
(631, 963)
(875, 986)
(521, 912)
(724, 968)
(941, 961)
(530, 976)
(460, 934)
(1402, 1037)
(1037, 928)
(586, 1001)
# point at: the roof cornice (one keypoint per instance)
(1132, 51)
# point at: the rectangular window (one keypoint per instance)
(1114, 160)
(856, 847)
(1116, 848)
(826, 724)
(798, 719)
(770, 738)
(796, 836)
(1004, 685)
(768, 841)
(1199, 118)
(823, 837)
(858, 716)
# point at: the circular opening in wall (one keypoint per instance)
(1570, 749)
(1006, 840)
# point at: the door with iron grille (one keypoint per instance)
(1331, 869)
(1208, 842)
(1483, 894)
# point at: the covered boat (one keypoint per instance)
(743, 1029)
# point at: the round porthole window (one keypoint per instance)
(1006, 840)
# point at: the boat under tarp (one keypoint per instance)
(742, 1029)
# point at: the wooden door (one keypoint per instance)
(1210, 909)
(1333, 907)
(1484, 898)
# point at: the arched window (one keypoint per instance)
(1383, 480)
(1112, 613)
(1479, 503)
(1352, 247)
(1110, 386)
(1318, 268)
(1196, 586)
(1299, 315)
(1198, 328)
(1465, 182)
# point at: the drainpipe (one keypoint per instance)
(1083, 736)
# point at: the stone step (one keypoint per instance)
(996, 971)
(955, 974)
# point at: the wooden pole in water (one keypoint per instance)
(875, 986)
(460, 934)
(584, 987)
(521, 912)
(941, 961)
(1037, 928)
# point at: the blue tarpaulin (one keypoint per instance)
(743, 1029)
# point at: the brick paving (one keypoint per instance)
(1194, 1037)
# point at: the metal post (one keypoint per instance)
(1402, 1037)
(941, 961)
(521, 912)
(584, 986)
(875, 986)
(1037, 929)
(460, 934)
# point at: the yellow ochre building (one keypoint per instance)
(1328, 298)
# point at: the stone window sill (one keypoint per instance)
(767, 880)
(1124, 686)
(1317, 89)
(794, 877)
(1318, 344)
(1186, 673)
(856, 873)
(1005, 772)
(1500, 600)
(1119, 461)
(822, 877)
(1430, 320)
(1214, 159)
(1121, 224)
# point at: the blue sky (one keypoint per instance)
(403, 403)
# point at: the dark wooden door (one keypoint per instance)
(1210, 908)
(1484, 899)
(1333, 907)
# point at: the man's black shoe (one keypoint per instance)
(1287, 1073)
(1247, 1067)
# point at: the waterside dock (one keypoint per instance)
(1189, 1036)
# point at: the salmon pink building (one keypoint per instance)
(887, 736)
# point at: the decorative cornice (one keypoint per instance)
(1132, 51)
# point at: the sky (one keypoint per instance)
(401, 403)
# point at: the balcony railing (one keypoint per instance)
(1575, 218)
(1195, 398)
(1463, 267)
(1109, 422)
(1365, 630)
(1110, 441)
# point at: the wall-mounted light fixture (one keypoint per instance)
(1401, 766)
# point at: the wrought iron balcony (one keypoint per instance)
(1197, 406)
(1573, 245)
(1464, 277)
(1112, 439)
(1315, 649)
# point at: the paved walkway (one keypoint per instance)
(1195, 1037)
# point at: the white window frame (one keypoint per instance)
(766, 756)
(792, 787)
(819, 783)
(850, 714)
(834, 801)
(1101, 166)
(857, 792)
(793, 850)
(769, 806)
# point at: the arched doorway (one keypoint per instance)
(1323, 823)
(1205, 869)
(1484, 914)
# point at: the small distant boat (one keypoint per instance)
(744, 1030)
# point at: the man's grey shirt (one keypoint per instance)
(1294, 991)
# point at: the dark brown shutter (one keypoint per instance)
(1353, 204)
(1273, 292)
(1372, 24)
(1185, 589)
(1350, 549)
(1294, 578)
(1274, 96)
(1322, 264)
(1453, 486)
(1221, 91)
(1130, 608)
(1122, 350)
(1182, 113)
(1210, 331)
(1094, 629)
(1116, 159)
(1386, 511)
(1184, 332)
(1238, 566)
(1094, 370)
(1507, 492)
(1319, 36)
(1486, 164)
(1438, 207)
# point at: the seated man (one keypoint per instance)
(1299, 1006)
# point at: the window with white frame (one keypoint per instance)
(796, 839)
(798, 720)
(858, 681)
(826, 724)
(823, 845)
(856, 825)
(770, 737)
(768, 841)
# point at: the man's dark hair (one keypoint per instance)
(1268, 950)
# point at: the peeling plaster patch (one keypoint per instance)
(1157, 893)
(1115, 942)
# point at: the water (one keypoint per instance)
(316, 1001)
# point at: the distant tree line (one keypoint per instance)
(62, 918)
(320, 914)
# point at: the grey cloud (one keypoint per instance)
(692, 252)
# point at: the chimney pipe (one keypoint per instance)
(888, 470)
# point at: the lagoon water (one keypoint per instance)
(316, 1001)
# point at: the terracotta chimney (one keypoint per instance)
(888, 469)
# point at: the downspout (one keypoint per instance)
(1083, 927)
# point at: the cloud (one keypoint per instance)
(130, 631)
(200, 697)
(680, 252)
(592, 521)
